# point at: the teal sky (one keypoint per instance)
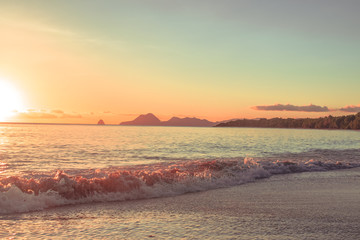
(213, 59)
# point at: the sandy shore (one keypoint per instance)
(322, 205)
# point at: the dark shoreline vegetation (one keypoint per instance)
(329, 122)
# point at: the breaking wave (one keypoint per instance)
(42, 191)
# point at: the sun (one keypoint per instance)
(10, 99)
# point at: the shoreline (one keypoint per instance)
(315, 205)
(118, 125)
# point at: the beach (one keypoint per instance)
(310, 205)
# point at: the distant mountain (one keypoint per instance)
(101, 122)
(151, 120)
(191, 122)
(144, 120)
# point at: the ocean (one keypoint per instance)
(132, 182)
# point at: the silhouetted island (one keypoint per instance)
(151, 120)
(330, 122)
(144, 120)
(101, 122)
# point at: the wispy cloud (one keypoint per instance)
(62, 114)
(351, 108)
(57, 111)
(36, 115)
(44, 114)
(38, 26)
(65, 115)
(289, 107)
(51, 30)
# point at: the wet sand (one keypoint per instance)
(318, 205)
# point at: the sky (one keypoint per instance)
(79, 61)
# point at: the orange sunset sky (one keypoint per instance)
(79, 61)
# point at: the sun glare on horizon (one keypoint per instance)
(10, 99)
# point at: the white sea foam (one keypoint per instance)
(23, 194)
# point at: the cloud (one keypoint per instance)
(40, 27)
(43, 114)
(36, 115)
(351, 108)
(57, 111)
(289, 107)
(65, 115)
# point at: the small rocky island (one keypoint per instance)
(101, 122)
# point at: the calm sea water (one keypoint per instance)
(33, 148)
(47, 166)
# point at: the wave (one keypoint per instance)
(41, 191)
